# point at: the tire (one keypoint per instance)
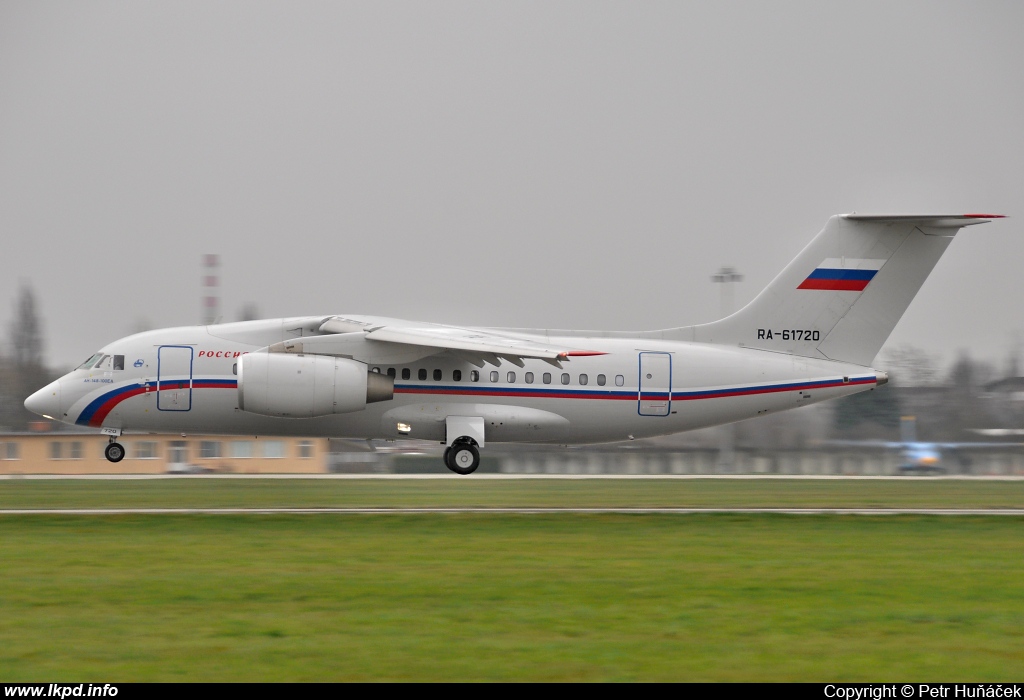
(462, 458)
(114, 452)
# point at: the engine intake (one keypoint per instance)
(304, 386)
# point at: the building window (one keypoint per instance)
(619, 380)
(422, 374)
(274, 449)
(474, 376)
(583, 380)
(565, 378)
(406, 373)
(145, 449)
(494, 376)
(528, 377)
(55, 450)
(305, 450)
(75, 450)
(11, 450)
(547, 377)
(241, 449)
(511, 377)
(600, 380)
(437, 375)
(177, 452)
(209, 449)
(391, 372)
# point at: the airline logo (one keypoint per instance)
(843, 274)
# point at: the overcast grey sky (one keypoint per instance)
(546, 164)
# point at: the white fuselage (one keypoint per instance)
(184, 380)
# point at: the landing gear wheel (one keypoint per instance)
(114, 452)
(462, 458)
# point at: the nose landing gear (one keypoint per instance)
(114, 451)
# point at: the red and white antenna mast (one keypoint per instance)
(211, 289)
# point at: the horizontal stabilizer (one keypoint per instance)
(930, 220)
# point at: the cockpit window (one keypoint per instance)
(118, 361)
(104, 363)
(90, 362)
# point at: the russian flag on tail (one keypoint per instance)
(843, 274)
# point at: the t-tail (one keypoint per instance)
(844, 293)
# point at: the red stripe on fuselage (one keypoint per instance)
(834, 285)
(108, 405)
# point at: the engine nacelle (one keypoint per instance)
(304, 386)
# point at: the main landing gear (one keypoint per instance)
(462, 457)
(114, 451)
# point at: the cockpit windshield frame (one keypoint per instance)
(88, 364)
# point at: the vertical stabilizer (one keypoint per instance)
(908, 429)
(844, 293)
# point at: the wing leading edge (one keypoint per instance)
(473, 345)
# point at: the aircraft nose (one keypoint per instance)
(46, 401)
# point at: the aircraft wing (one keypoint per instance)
(881, 444)
(937, 445)
(976, 445)
(472, 344)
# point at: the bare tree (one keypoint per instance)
(908, 365)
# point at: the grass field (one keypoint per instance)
(241, 492)
(566, 597)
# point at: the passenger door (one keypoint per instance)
(655, 384)
(174, 378)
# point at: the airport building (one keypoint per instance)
(82, 453)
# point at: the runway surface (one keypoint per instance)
(515, 511)
(509, 477)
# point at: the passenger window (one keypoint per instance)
(547, 377)
(375, 370)
(118, 361)
(422, 374)
(474, 376)
(437, 375)
(494, 376)
(619, 380)
(600, 380)
(511, 377)
(583, 380)
(565, 378)
(234, 369)
(391, 372)
(406, 373)
(457, 375)
(528, 377)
